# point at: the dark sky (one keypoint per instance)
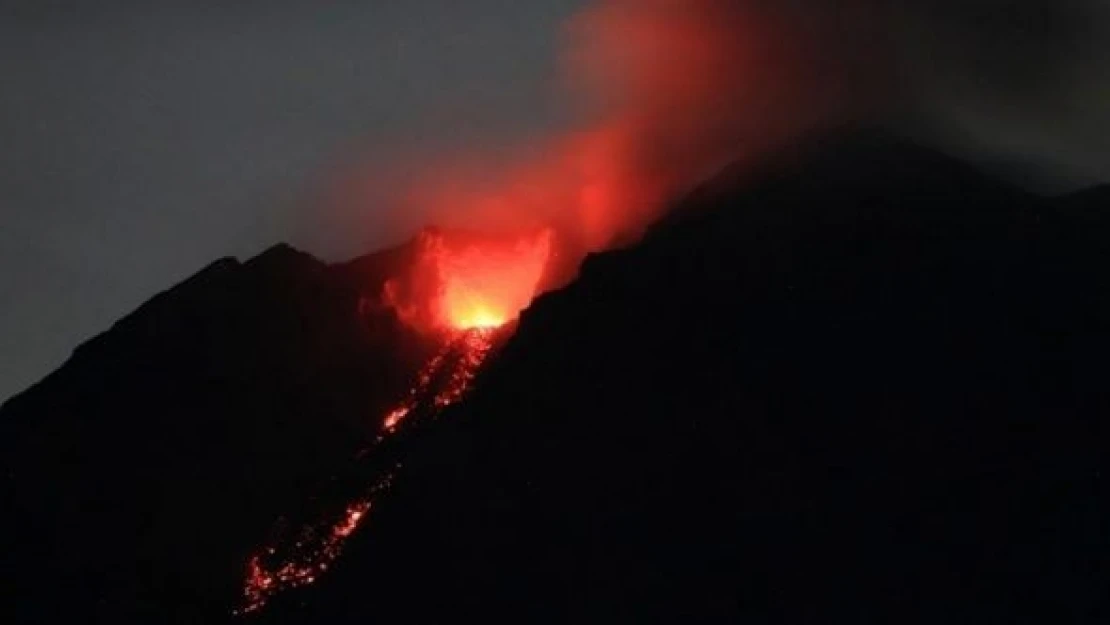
(143, 139)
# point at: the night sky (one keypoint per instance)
(144, 139)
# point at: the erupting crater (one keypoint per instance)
(462, 281)
(462, 289)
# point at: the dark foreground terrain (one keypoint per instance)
(870, 388)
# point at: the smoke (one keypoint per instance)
(668, 91)
(1024, 83)
(682, 88)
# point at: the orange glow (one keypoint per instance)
(316, 547)
(284, 566)
(485, 287)
(394, 418)
(675, 90)
(462, 282)
(473, 346)
(447, 376)
(669, 93)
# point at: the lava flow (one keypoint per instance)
(447, 376)
(465, 295)
(285, 567)
(442, 382)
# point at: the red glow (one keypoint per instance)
(670, 93)
(473, 346)
(461, 282)
(285, 566)
(486, 286)
(447, 377)
(394, 418)
(678, 89)
(316, 547)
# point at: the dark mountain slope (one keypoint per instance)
(1089, 210)
(1093, 202)
(137, 475)
(869, 389)
(865, 385)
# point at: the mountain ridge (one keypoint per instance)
(818, 398)
(871, 422)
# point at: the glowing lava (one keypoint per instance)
(462, 289)
(446, 378)
(463, 282)
(282, 567)
(442, 382)
(473, 346)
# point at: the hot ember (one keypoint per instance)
(301, 559)
(446, 378)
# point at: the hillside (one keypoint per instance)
(867, 388)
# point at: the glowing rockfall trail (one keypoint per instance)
(279, 568)
(447, 376)
(465, 290)
(304, 557)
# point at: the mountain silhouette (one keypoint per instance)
(139, 473)
(865, 384)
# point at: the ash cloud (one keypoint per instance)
(667, 92)
(1024, 84)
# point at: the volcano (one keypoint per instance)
(863, 384)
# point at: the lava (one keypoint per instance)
(447, 376)
(463, 282)
(659, 96)
(463, 290)
(281, 567)
(473, 346)
(444, 381)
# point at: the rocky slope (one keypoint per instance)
(867, 388)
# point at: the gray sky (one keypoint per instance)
(142, 139)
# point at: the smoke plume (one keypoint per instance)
(669, 91)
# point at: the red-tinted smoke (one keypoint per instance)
(671, 91)
(668, 92)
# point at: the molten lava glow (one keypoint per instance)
(447, 377)
(463, 283)
(394, 418)
(475, 315)
(443, 381)
(281, 568)
(473, 347)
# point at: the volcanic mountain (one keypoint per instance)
(865, 384)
